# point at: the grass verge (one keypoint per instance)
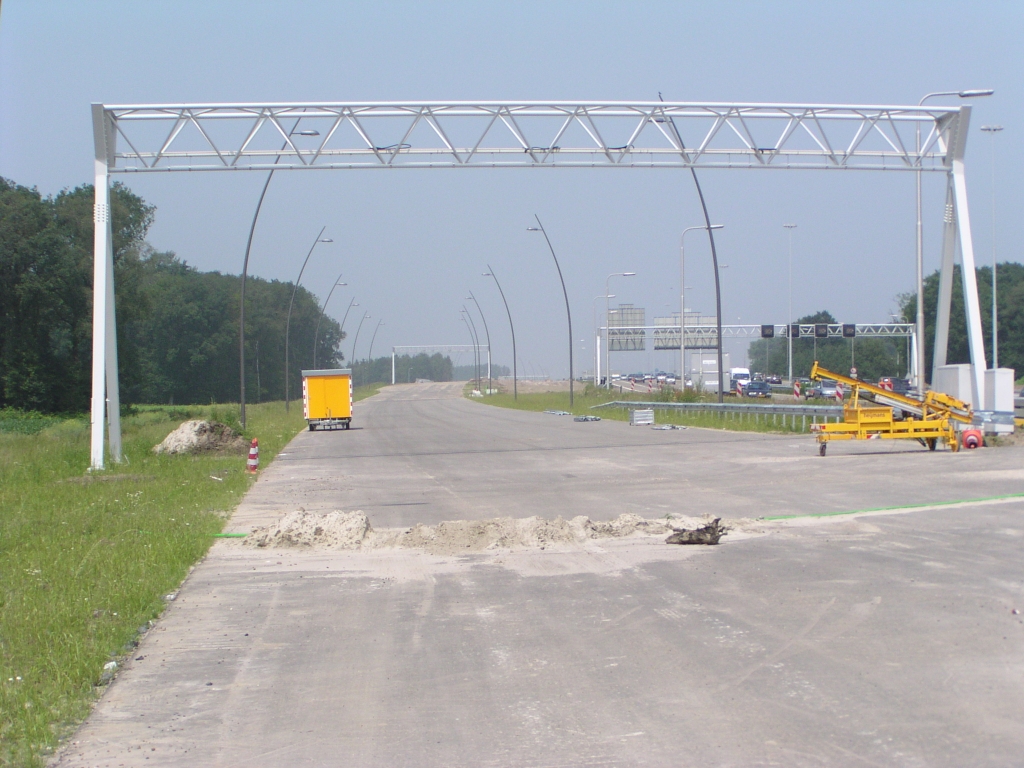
(85, 559)
(589, 396)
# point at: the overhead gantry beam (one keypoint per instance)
(180, 137)
(160, 138)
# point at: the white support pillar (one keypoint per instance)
(392, 365)
(110, 360)
(945, 296)
(100, 276)
(104, 332)
(972, 305)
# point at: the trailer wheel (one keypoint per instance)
(821, 449)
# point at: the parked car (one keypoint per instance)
(757, 389)
(811, 389)
(774, 379)
(827, 389)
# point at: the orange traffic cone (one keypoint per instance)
(253, 464)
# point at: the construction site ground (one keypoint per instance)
(891, 637)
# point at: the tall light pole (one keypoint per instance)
(682, 307)
(607, 333)
(366, 316)
(245, 271)
(323, 309)
(476, 344)
(515, 387)
(369, 355)
(920, 362)
(789, 321)
(487, 333)
(992, 130)
(351, 304)
(472, 338)
(288, 320)
(565, 293)
(597, 338)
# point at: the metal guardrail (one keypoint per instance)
(787, 415)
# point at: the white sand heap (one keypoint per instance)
(352, 530)
(200, 437)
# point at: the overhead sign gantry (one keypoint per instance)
(167, 138)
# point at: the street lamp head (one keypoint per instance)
(717, 226)
(789, 226)
(533, 229)
(991, 128)
(325, 240)
(974, 93)
(306, 132)
(629, 274)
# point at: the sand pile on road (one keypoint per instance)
(201, 437)
(352, 530)
(332, 530)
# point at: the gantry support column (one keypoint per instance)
(106, 402)
(957, 231)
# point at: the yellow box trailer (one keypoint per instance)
(327, 398)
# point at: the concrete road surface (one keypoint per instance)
(878, 639)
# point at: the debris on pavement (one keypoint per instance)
(559, 413)
(352, 531)
(708, 534)
(587, 418)
(667, 426)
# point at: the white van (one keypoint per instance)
(738, 378)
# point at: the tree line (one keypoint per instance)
(877, 357)
(177, 327)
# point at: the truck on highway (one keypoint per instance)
(327, 398)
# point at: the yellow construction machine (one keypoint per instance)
(891, 416)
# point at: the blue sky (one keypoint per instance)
(410, 244)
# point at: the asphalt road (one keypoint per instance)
(878, 639)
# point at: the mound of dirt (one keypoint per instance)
(332, 530)
(352, 530)
(201, 437)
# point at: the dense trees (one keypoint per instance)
(177, 327)
(1010, 292)
(873, 358)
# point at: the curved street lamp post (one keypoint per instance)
(369, 355)
(288, 320)
(992, 130)
(607, 332)
(565, 293)
(472, 338)
(682, 306)
(515, 387)
(487, 333)
(597, 339)
(366, 316)
(789, 326)
(476, 345)
(245, 269)
(323, 309)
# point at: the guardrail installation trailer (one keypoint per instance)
(327, 398)
(927, 418)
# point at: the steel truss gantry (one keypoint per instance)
(159, 138)
(706, 336)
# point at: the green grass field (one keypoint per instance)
(86, 559)
(588, 396)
